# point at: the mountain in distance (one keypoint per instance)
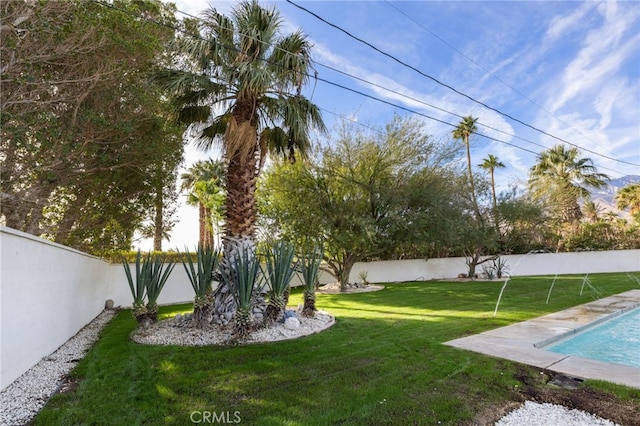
(606, 197)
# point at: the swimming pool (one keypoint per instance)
(616, 340)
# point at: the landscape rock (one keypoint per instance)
(292, 323)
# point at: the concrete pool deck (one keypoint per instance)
(523, 342)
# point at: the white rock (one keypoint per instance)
(292, 323)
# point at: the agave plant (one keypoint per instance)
(138, 286)
(241, 275)
(279, 262)
(500, 267)
(158, 271)
(309, 266)
(201, 276)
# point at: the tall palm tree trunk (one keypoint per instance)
(472, 184)
(206, 233)
(241, 209)
(496, 219)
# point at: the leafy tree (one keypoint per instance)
(524, 225)
(604, 235)
(629, 198)
(204, 182)
(561, 178)
(362, 199)
(240, 81)
(82, 127)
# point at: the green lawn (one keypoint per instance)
(383, 362)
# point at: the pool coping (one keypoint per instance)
(524, 341)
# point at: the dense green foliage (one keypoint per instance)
(87, 140)
(383, 362)
(387, 193)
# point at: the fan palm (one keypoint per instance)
(241, 81)
(629, 197)
(562, 178)
(463, 132)
(203, 182)
(492, 163)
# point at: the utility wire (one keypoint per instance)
(487, 71)
(424, 103)
(415, 100)
(357, 91)
(450, 87)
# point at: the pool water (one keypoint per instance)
(616, 341)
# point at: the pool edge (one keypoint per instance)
(520, 342)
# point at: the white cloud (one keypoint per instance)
(600, 57)
(561, 25)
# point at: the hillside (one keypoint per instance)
(606, 197)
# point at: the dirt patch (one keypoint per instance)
(69, 384)
(554, 388)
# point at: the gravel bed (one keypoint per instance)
(22, 399)
(177, 331)
(535, 414)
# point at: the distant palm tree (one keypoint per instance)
(492, 163)
(629, 198)
(592, 211)
(253, 76)
(202, 181)
(463, 132)
(561, 178)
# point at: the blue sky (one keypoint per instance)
(568, 68)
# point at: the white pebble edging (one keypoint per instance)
(175, 332)
(535, 414)
(24, 397)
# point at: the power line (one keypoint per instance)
(486, 70)
(450, 87)
(357, 91)
(415, 100)
(424, 103)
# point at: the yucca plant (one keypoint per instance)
(241, 275)
(158, 271)
(309, 266)
(201, 277)
(138, 286)
(280, 269)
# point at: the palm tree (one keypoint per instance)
(562, 178)
(203, 182)
(492, 163)
(592, 211)
(629, 198)
(463, 132)
(253, 76)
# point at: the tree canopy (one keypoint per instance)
(84, 132)
(378, 194)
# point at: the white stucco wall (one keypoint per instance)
(518, 265)
(48, 292)
(177, 289)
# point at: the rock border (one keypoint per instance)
(334, 289)
(174, 332)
